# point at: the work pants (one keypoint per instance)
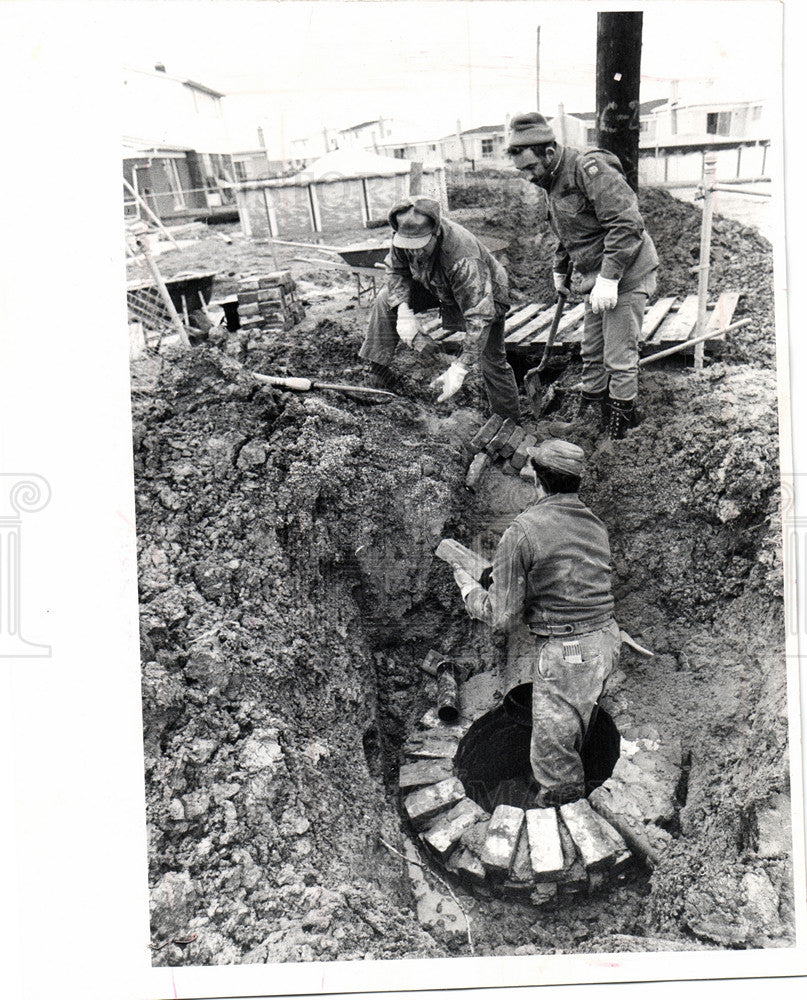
(610, 346)
(568, 678)
(381, 341)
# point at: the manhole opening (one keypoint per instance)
(493, 758)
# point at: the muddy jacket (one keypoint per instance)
(470, 284)
(552, 565)
(595, 215)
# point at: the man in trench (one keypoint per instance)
(436, 262)
(594, 213)
(552, 571)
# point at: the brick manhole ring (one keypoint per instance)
(466, 791)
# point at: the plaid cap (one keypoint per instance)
(559, 456)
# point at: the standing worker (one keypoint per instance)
(595, 215)
(433, 261)
(552, 570)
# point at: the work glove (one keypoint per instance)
(582, 283)
(407, 326)
(559, 281)
(603, 294)
(450, 381)
(465, 581)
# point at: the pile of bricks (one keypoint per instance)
(504, 439)
(267, 302)
(548, 852)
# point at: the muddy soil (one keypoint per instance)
(289, 592)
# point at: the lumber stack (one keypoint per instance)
(267, 302)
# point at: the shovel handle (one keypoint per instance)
(300, 384)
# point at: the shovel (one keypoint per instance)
(307, 384)
(532, 381)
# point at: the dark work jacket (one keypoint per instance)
(552, 565)
(463, 275)
(595, 215)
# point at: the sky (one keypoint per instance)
(295, 66)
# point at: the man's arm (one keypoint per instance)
(617, 210)
(504, 600)
(399, 278)
(472, 287)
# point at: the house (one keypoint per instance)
(368, 135)
(176, 151)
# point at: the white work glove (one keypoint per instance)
(603, 294)
(559, 281)
(450, 381)
(465, 581)
(407, 326)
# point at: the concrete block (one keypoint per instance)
(444, 833)
(519, 457)
(479, 465)
(596, 840)
(508, 449)
(245, 298)
(500, 437)
(486, 432)
(467, 865)
(546, 850)
(424, 772)
(424, 804)
(270, 295)
(429, 746)
(458, 555)
(502, 839)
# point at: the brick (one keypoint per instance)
(424, 772)
(574, 878)
(595, 838)
(546, 850)
(432, 722)
(519, 457)
(475, 837)
(510, 445)
(477, 468)
(249, 309)
(486, 432)
(246, 298)
(424, 804)
(431, 746)
(521, 872)
(270, 295)
(456, 554)
(499, 438)
(250, 322)
(444, 834)
(275, 278)
(502, 839)
(466, 864)
(247, 285)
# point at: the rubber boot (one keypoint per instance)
(586, 413)
(622, 416)
(381, 376)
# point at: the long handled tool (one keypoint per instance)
(532, 380)
(306, 385)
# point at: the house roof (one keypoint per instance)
(205, 90)
(352, 163)
(644, 109)
(355, 128)
(483, 128)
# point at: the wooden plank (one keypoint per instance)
(568, 322)
(722, 313)
(518, 319)
(525, 332)
(678, 327)
(653, 317)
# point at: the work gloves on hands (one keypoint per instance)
(465, 581)
(604, 294)
(407, 326)
(450, 381)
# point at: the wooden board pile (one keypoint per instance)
(267, 302)
(577, 848)
(667, 322)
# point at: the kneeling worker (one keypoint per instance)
(433, 261)
(552, 570)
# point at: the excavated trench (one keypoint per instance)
(289, 595)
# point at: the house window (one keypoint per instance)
(240, 170)
(487, 147)
(718, 123)
(756, 113)
(644, 126)
(399, 153)
(591, 136)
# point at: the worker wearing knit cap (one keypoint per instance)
(436, 262)
(595, 215)
(552, 573)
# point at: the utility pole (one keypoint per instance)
(619, 58)
(538, 68)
